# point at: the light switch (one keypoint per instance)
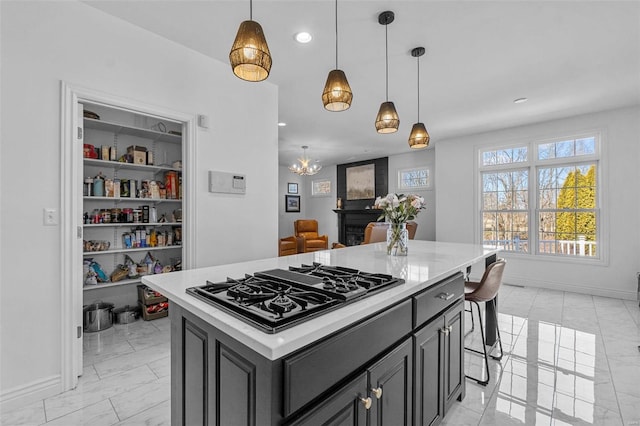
(50, 217)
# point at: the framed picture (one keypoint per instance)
(415, 179)
(321, 188)
(292, 188)
(292, 203)
(361, 182)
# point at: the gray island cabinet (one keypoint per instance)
(393, 358)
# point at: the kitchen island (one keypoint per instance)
(393, 357)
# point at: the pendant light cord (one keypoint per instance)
(250, 10)
(418, 89)
(386, 59)
(336, 34)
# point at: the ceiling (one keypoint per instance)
(567, 58)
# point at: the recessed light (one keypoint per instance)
(520, 100)
(282, 124)
(303, 37)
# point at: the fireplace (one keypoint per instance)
(351, 224)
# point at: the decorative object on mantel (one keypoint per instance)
(419, 137)
(387, 120)
(337, 94)
(250, 57)
(397, 209)
(303, 168)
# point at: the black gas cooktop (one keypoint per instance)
(277, 299)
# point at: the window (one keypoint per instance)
(545, 203)
(418, 178)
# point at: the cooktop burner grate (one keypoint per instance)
(277, 299)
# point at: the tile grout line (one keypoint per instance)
(115, 411)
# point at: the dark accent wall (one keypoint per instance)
(381, 184)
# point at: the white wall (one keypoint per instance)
(46, 42)
(621, 143)
(426, 219)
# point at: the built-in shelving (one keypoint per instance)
(117, 130)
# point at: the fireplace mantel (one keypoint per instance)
(351, 224)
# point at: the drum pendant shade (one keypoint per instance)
(387, 120)
(337, 94)
(250, 57)
(419, 137)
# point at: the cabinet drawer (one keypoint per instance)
(435, 299)
(315, 370)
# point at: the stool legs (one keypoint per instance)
(473, 324)
(484, 353)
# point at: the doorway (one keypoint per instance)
(71, 208)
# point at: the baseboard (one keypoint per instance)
(30, 392)
(562, 286)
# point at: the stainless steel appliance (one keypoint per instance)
(277, 299)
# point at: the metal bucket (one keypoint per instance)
(125, 315)
(97, 317)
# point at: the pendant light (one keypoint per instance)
(419, 137)
(249, 57)
(337, 94)
(387, 120)
(302, 167)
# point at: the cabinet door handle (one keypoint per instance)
(445, 330)
(366, 402)
(445, 296)
(377, 392)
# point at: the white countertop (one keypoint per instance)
(428, 262)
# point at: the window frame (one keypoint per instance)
(533, 164)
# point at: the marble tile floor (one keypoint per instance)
(126, 380)
(569, 359)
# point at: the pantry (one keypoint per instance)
(132, 201)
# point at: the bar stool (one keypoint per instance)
(485, 291)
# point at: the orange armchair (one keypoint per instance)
(307, 232)
(287, 246)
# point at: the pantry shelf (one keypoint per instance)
(131, 250)
(117, 165)
(110, 284)
(123, 129)
(130, 224)
(127, 199)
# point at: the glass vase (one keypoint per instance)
(397, 239)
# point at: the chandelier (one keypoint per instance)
(302, 167)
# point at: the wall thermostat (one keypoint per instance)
(227, 183)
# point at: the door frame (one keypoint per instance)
(71, 168)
